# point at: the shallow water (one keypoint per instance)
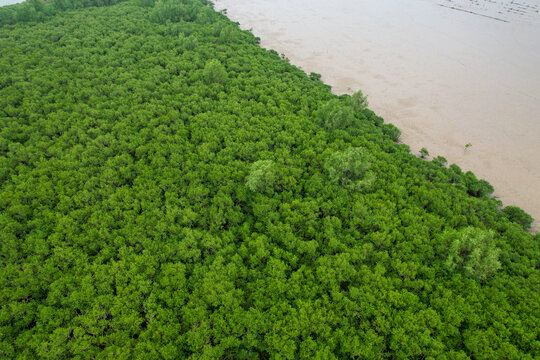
(446, 72)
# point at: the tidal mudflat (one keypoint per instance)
(446, 72)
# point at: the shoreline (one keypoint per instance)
(431, 110)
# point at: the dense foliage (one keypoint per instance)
(39, 10)
(474, 251)
(171, 190)
(351, 169)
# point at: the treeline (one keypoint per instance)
(39, 10)
(170, 190)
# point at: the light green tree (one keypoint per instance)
(335, 115)
(473, 251)
(392, 131)
(214, 72)
(359, 101)
(227, 34)
(261, 176)
(351, 168)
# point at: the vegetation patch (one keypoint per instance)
(170, 190)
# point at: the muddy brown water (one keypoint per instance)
(446, 72)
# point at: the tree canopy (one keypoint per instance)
(351, 168)
(261, 176)
(474, 251)
(137, 144)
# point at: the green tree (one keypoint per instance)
(227, 34)
(475, 187)
(473, 251)
(261, 176)
(517, 215)
(351, 168)
(214, 72)
(359, 101)
(392, 131)
(315, 76)
(441, 161)
(335, 115)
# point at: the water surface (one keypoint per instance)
(446, 72)
(10, 2)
